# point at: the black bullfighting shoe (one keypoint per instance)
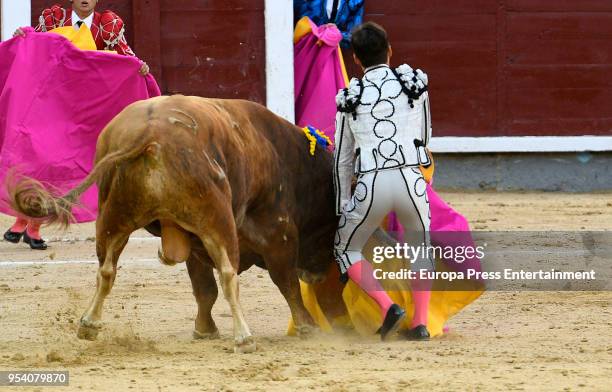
(12, 236)
(34, 243)
(419, 332)
(394, 317)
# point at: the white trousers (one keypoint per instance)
(402, 190)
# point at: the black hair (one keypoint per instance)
(370, 44)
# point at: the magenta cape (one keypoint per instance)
(447, 228)
(55, 100)
(318, 77)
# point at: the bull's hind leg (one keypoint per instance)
(108, 247)
(205, 292)
(221, 243)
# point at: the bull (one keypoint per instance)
(227, 184)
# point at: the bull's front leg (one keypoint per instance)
(108, 249)
(205, 292)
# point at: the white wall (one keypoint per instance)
(449, 144)
(15, 13)
(279, 58)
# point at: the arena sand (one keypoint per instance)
(504, 341)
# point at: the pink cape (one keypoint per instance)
(54, 101)
(318, 77)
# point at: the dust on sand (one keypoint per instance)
(505, 340)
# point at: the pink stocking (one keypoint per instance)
(19, 226)
(33, 230)
(362, 274)
(421, 293)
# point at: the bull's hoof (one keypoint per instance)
(88, 330)
(206, 335)
(87, 333)
(306, 331)
(246, 345)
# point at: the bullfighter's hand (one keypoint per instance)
(19, 33)
(144, 69)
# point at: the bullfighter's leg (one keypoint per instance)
(280, 260)
(205, 292)
(108, 248)
(415, 216)
(220, 239)
(371, 201)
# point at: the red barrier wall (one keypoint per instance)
(496, 67)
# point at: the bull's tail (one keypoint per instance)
(32, 199)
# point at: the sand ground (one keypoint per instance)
(504, 341)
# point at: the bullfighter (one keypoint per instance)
(107, 29)
(382, 127)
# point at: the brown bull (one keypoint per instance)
(226, 183)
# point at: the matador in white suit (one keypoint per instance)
(382, 127)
